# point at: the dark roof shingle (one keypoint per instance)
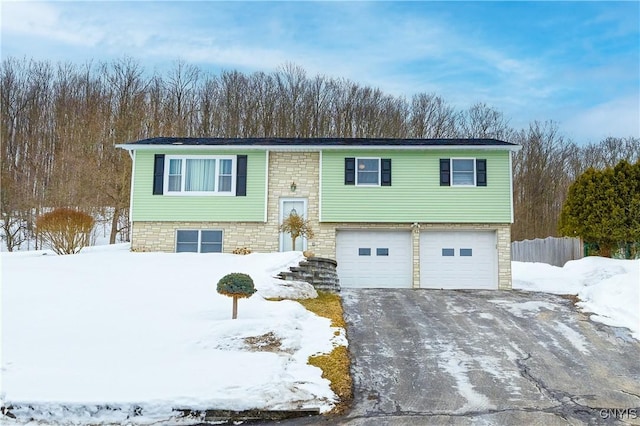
(283, 142)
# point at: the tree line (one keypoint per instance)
(60, 124)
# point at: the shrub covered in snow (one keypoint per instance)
(236, 285)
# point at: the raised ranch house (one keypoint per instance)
(430, 213)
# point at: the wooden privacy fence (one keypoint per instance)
(551, 250)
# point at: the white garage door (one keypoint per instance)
(458, 260)
(374, 259)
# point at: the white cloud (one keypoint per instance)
(619, 118)
(227, 56)
(45, 20)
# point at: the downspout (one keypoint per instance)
(266, 187)
(320, 190)
(132, 154)
(511, 182)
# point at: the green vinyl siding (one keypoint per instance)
(221, 208)
(416, 194)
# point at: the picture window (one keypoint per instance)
(199, 175)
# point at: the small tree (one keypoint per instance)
(603, 207)
(66, 230)
(297, 226)
(236, 285)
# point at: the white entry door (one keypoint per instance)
(288, 206)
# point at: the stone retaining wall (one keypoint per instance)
(320, 272)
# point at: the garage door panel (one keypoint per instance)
(374, 259)
(458, 260)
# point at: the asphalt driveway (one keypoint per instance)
(485, 357)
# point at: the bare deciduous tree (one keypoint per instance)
(60, 124)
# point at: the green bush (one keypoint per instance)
(236, 285)
(603, 207)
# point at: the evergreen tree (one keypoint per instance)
(603, 207)
(628, 186)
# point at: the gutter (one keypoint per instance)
(315, 148)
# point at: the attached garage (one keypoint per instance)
(458, 260)
(374, 259)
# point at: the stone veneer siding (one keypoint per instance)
(285, 168)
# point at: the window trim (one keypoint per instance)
(199, 246)
(475, 172)
(372, 185)
(215, 192)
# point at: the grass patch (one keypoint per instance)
(326, 305)
(267, 343)
(335, 366)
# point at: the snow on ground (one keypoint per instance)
(607, 288)
(97, 336)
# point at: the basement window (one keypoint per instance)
(199, 241)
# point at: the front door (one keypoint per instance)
(288, 206)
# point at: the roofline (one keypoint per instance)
(313, 148)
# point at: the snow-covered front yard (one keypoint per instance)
(99, 335)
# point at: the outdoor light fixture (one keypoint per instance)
(293, 186)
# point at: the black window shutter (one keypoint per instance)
(481, 172)
(158, 174)
(386, 172)
(445, 172)
(241, 175)
(349, 171)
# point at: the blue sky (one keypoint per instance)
(577, 63)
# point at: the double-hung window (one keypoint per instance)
(198, 241)
(199, 175)
(463, 172)
(368, 171)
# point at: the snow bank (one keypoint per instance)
(105, 334)
(608, 288)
